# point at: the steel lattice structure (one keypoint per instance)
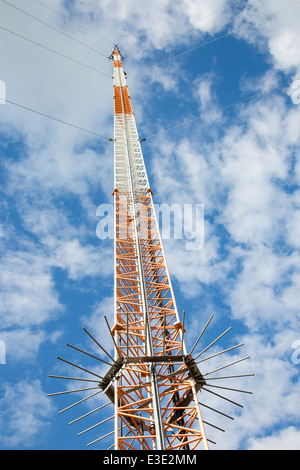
(154, 399)
(153, 380)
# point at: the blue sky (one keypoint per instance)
(242, 163)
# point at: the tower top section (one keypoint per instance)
(116, 56)
(121, 96)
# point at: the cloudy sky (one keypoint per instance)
(215, 87)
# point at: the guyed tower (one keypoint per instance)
(153, 380)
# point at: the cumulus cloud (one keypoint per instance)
(28, 291)
(26, 413)
(206, 16)
(273, 25)
(286, 439)
(81, 261)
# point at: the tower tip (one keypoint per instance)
(115, 50)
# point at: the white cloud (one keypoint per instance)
(293, 227)
(25, 414)
(28, 296)
(22, 344)
(267, 286)
(285, 439)
(251, 162)
(207, 16)
(30, 293)
(59, 168)
(81, 261)
(276, 26)
(205, 93)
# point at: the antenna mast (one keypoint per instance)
(152, 380)
(147, 327)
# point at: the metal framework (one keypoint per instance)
(154, 397)
(153, 380)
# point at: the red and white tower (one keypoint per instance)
(154, 400)
(153, 380)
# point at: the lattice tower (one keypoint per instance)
(153, 380)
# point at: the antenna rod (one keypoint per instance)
(227, 365)
(221, 396)
(80, 401)
(98, 344)
(112, 336)
(201, 334)
(211, 344)
(79, 367)
(219, 353)
(95, 425)
(88, 354)
(90, 412)
(182, 335)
